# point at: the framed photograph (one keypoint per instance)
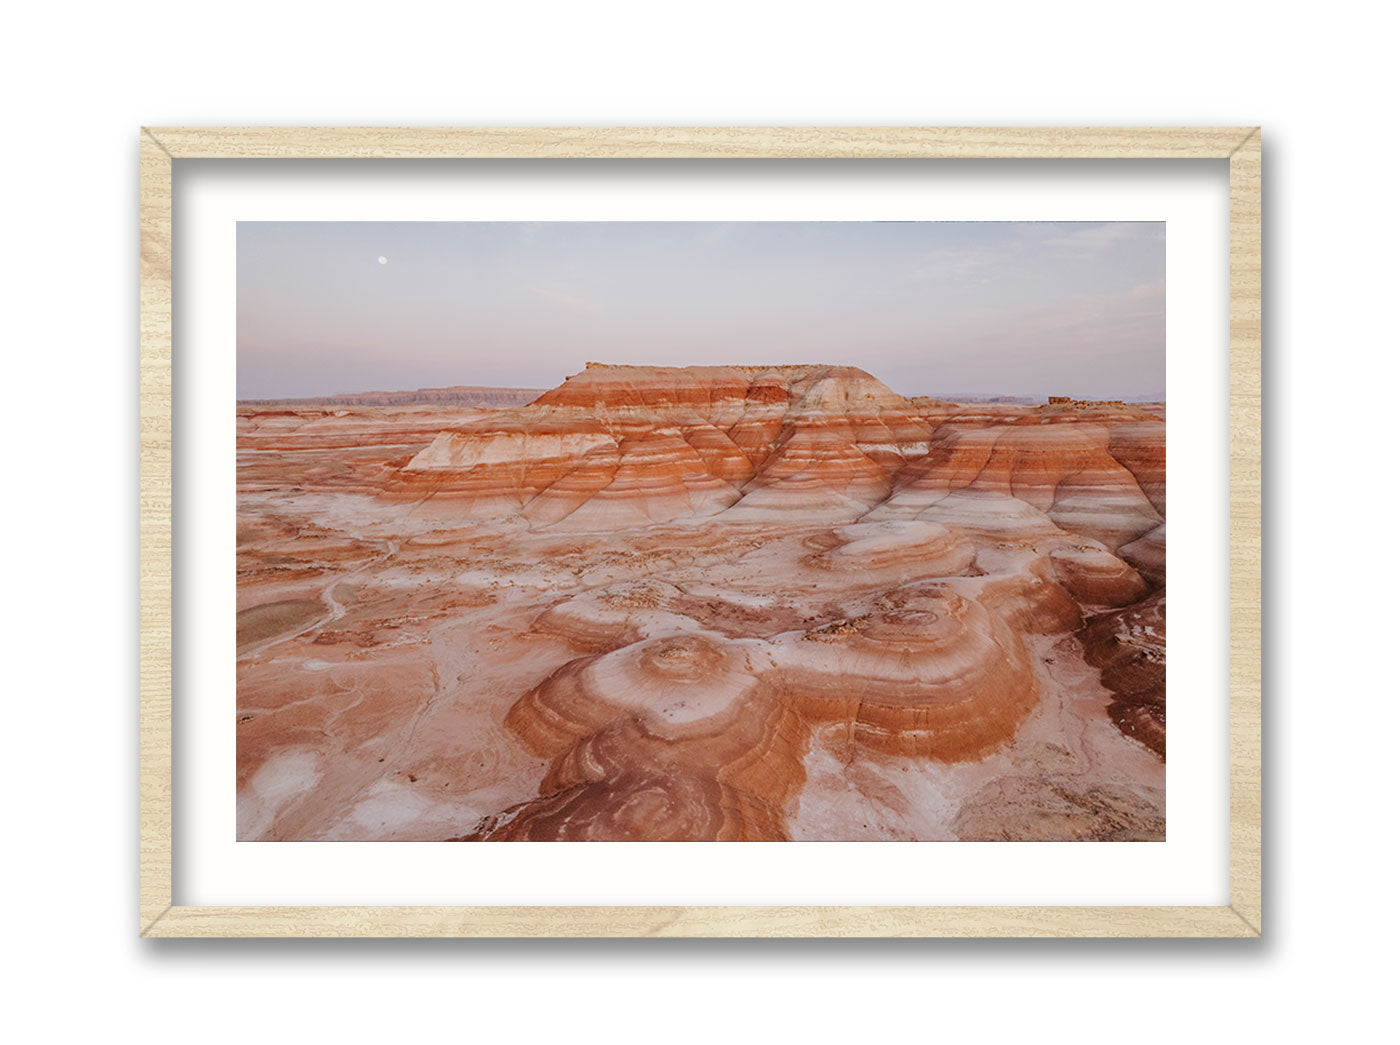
(764, 530)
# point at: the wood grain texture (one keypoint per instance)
(1246, 538)
(852, 922)
(155, 649)
(159, 147)
(701, 142)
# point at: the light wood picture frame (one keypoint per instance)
(162, 147)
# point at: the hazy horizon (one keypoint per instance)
(930, 308)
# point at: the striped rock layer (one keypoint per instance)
(702, 603)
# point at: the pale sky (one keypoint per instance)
(930, 308)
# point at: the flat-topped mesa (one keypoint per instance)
(1062, 408)
(1082, 404)
(625, 446)
(739, 368)
(721, 395)
(651, 444)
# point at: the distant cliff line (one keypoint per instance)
(500, 398)
(456, 395)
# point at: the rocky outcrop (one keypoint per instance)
(702, 603)
(1129, 647)
(617, 445)
(697, 735)
(1083, 404)
(1148, 555)
(671, 739)
(1024, 480)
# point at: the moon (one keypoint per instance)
(383, 260)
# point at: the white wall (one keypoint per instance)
(78, 83)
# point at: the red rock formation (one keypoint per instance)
(1024, 479)
(712, 731)
(1129, 648)
(939, 677)
(739, 603)
(894, 550)
(652, 444)
(1148, 555)
(1095, 577)
(663, 739)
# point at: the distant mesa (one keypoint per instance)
(1083, 404)
(456, 395)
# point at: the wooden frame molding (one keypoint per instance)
(1241, 146)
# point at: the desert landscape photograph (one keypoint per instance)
(694, 531)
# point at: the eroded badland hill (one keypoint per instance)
(702, 603)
